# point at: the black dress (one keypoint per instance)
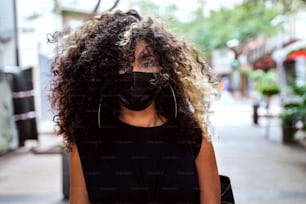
(130, 164)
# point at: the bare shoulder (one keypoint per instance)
(208, 174)
(206, 149)
(78, 191)
(74, 151)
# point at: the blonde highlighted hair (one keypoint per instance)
(86, 60)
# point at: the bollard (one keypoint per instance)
(66, 177)
(255, 113)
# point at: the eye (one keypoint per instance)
(148, 64)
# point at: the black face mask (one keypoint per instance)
(137, 90)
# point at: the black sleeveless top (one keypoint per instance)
(140, 164)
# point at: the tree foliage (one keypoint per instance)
(214, 29)
(242, 22)
(288, 6)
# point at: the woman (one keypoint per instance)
(132, 104)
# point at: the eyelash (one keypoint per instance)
(147, 64)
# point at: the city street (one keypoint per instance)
(261, 168)
(58, 57)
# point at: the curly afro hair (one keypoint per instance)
(87, 59)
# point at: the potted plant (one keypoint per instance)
(266, 84)
(293, 112)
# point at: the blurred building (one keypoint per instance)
(8, 57)
(8, 37)
(285, 51)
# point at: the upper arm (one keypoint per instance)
(78, 192)
(208, 174)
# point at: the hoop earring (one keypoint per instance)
(175, 103)
(99, 112)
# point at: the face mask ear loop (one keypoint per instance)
(99, 112)
(175, 103)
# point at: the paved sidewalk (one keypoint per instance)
(27, 178)
(261, 168)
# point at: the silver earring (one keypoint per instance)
(175, 103)
(99, 112)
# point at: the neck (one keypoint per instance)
(145, 118)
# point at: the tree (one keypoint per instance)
(288, 6)
(215, 28)
(68, 14)
(58, 8)
(242, 22)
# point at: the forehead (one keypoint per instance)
(142, 48)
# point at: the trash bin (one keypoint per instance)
(24, 105)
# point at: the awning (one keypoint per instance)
(296, 55)
(282, 54)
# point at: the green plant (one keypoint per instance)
(266, 82)
(293, 112)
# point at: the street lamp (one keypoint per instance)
(232, 43)
(234, 76)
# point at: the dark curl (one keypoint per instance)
(87, 59)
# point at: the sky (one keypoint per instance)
(41, 6)
(183, 4)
